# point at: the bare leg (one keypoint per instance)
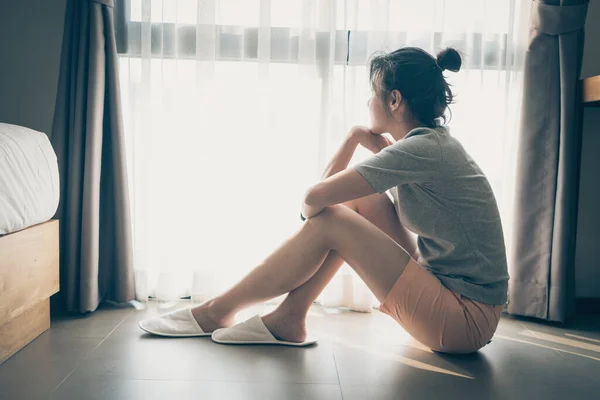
(379, 211)
(288, 321)
(360, 242)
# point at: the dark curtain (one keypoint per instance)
(542, 271)
(87, 134)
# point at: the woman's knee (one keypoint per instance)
(328, 214)
(337, 211)
(332, 218)
(325, 224)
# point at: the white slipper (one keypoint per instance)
(252, 331)
(180, 323)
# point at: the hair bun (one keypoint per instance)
(449, 59)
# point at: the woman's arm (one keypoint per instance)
(339, 188)
(340, 184)
(358, 135)
(342, 157)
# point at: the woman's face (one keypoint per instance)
(379, 117)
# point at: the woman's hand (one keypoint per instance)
(369, 140)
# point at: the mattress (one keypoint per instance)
(29, 183)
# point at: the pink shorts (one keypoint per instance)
(436, 316)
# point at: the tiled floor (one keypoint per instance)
(359, 356)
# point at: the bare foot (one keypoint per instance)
(208, 320)
(286, 326)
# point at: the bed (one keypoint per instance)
(29, 241)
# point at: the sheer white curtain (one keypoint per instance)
(233, 108)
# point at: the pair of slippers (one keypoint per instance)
(181, 323)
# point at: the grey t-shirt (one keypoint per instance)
(444, 197)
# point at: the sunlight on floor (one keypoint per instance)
(582, 337)
(565, 341)
(394, 357)
(544, 346)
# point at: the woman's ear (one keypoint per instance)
(395, 100)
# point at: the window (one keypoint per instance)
(177, 30)
(211, 87)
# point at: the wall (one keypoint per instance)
(30, 44)
(587, 256)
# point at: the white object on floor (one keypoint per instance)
(252, 331)
(29, 185)
(137, 305)
(180, 323)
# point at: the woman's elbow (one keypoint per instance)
(311, 197)
(312, 204)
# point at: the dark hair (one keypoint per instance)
(418, 76)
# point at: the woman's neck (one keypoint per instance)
(400, 129)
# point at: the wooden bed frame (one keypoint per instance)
(29, 275)
(590, 93)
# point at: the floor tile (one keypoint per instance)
(90, 325)
(116, 389)
(105, 355)
(42, 365)
(134, 354)
(147, 357)
(577, 337)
